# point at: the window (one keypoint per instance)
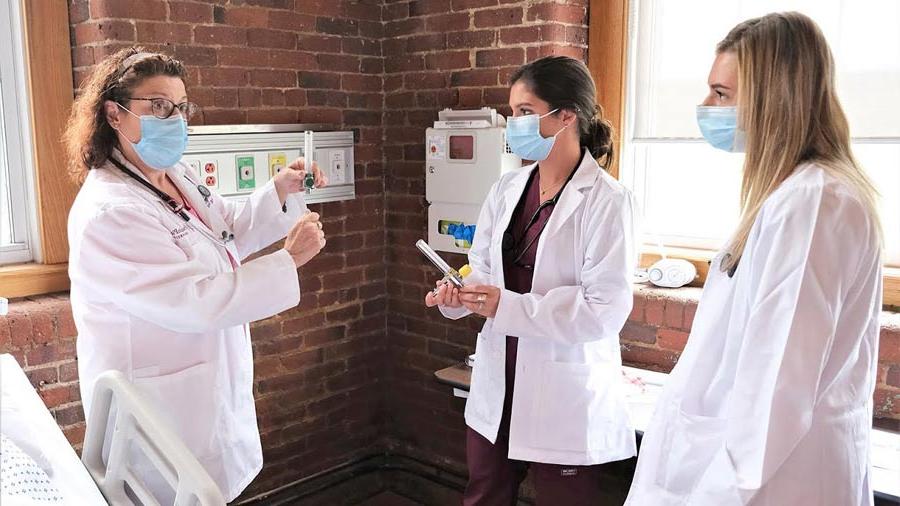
(688, 190)
(16, 238)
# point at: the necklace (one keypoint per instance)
(551, 187)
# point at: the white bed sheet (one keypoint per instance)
(68, 474)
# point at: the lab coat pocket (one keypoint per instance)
(567, 407)
(186, 401)
(689, 444)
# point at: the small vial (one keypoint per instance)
(461, 274)
(309, 150)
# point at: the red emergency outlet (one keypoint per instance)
(210, 180)
(210, 168)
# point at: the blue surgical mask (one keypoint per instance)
(523, 134)
(719, 127)
(163, 141)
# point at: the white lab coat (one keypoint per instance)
(155, 299)
(568, 405)
(771, 401)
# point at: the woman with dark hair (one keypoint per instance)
(552, 262)
(159, 291)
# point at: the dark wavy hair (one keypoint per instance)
(566, 83)
(89, 139)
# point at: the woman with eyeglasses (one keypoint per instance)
(552, 262)
(159, 287)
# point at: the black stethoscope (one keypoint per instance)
(509, 243)
(177, 208)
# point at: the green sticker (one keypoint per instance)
(246, 173)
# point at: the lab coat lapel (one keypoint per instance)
(188, 187)
(143, 192)
(512, 194)
(571, 197)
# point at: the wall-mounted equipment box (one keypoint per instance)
(234, 160)
(465, 154)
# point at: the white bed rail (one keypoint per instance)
(135, 423)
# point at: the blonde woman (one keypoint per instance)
(771, 402)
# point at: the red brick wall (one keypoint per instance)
(459, 53)
(40, 334)
(352, 367)
(444, 53)
(318, 366)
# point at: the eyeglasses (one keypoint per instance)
(163, 108)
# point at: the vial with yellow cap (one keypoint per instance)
(455, 277)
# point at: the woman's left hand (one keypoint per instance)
(290, 179)
(481, 299)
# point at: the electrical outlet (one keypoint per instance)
(210, 173)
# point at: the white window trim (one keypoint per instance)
(19, 140)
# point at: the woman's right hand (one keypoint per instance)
(445, 295)
(306, 239)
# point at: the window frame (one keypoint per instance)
(16, 142)
(43, 35)
(609, 26)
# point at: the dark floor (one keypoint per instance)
(389, 499)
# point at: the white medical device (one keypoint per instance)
(671, 273)
(234, 160)
(465, 154)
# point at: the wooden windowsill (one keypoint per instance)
(892, 288)
(33, 279)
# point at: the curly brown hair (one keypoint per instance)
(89, 139)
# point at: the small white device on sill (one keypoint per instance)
(671, 273)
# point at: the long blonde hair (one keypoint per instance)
(790, 112)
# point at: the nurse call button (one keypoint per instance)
(246, 172)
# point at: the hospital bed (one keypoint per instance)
(34, 447)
